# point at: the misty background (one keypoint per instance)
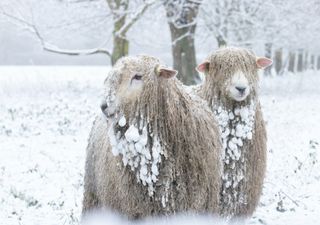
(55, 55)
(287, 31)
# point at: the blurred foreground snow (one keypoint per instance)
(46, 115)
(109, 218)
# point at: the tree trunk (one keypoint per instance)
(120, 49)
(278, 60)
(306, 61)
(268, 54)
(184, 55)
(292, 62)
(300, 61)
(120, 43)
(312, 62)
(221, 41)
(284, 66)
(182, 22)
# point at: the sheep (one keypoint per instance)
(155, 149)
(230, 89)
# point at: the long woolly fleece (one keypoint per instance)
(173, 164)
(242, 130)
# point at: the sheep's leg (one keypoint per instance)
(90, 202)
(90, 198)
(259, 160)
(256, 166)
(237, 221)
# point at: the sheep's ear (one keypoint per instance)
(203, 67)
(166, 72)
(263, 62)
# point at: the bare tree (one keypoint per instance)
(268, 54)
(286, 25)
(312, 62)
(292, 61)
(300, 61)
(122, 24)
(233, 22)
(182, 19)
(278, 59)
(124, 13)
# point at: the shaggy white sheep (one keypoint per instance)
(230, 89)
(156, 150)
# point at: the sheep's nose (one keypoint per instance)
(241, 89)
(103, 106)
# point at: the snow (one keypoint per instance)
(132, 134)
(46, 115)
(131, 143)
(45, 118)
(111, 218)
(122, 121)
(240, 121)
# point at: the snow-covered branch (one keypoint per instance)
(52, 48)
(49, 47)
(124, 29)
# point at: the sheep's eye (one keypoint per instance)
(137, 77)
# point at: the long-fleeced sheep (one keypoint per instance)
(155, 150)
(230, 89)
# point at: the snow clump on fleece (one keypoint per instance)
(235, 127)
(134, 148)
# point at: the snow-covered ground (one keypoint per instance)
(46, 115)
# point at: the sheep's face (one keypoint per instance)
(133, 76)
(233, 72)
(127, 81)
(238, 87)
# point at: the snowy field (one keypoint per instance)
(46, 115)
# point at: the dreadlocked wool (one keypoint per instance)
(157, 151)
(242, 130)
